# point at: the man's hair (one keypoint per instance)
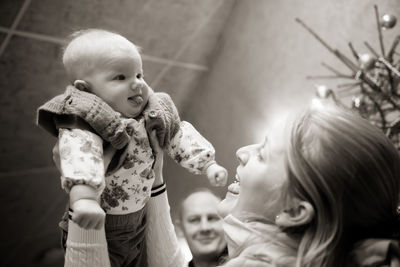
(190, 193)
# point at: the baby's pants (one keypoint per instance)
(126, 239)
(125, 236)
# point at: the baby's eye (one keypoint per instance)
(139, 76)
(120, 77)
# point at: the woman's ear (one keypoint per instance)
(82, 85)
(300, 215)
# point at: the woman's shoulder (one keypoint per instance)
(375, 252)
(264, 255)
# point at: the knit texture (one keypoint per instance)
(92, 109)
(86, 247)
(163, 248)
(89, 247)
(160, 114)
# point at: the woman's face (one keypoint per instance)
(260, 176)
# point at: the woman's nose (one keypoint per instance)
(242, 155)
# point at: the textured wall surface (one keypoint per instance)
(231, 66)
(177, 37)
(260, 68)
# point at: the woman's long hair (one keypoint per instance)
(350, 172)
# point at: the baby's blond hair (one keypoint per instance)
(88, 48)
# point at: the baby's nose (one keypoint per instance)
(136, 86)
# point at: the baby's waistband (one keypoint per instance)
(130, 219)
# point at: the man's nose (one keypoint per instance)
(204, 225)
(243, 155)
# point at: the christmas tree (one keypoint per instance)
(375, 79)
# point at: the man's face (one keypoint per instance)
(202, 226)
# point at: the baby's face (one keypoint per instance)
(119, 82)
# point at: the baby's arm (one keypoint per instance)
(196, 154)
(82, 169)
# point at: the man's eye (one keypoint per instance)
(194, 220)
(213, 218)
(120, 77)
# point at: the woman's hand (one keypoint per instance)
(158, 161)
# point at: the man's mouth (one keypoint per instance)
(206, 240)
(137, 99)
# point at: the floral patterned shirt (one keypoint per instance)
(128, 189)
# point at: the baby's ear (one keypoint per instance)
(300, 215)
(82, 85)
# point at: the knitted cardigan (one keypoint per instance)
(89, 247)
(160, 114)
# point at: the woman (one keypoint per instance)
(323, 193)
(330, 185)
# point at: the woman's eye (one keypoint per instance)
(120, 77)
(260, 154)
(139, 76)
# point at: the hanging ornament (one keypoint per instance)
(376, 76)
(322, 91)
(356, 102)
(388, 21)
(360, 104)
(367, 62)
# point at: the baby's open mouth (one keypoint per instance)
(137, 99)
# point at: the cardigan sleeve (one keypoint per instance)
(86, 247)
(101, 117)
(163, 249)
(191, 150)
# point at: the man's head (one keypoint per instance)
(109, 66)
(201, 224)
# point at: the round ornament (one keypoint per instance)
(388, 21)
(367, 61)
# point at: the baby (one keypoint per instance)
(109, 112)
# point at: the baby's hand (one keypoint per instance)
(217, 175)
(88, 214)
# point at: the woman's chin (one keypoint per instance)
(226, 206)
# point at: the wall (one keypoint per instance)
(177, 39)
(232, 67)
(260, 68)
